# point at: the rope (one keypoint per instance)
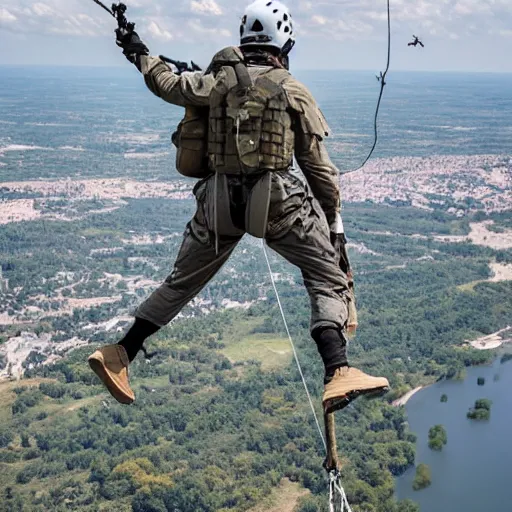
(336, 487)
(334, 476)
(382, 85)
(293, 345)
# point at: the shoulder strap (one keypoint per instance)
(242, 75)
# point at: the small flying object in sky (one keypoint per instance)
(416, 42)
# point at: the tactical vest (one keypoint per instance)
(191, 143)
(249, 124)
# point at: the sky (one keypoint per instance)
(459, 35)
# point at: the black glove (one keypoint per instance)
(132, 45)
(339, 242)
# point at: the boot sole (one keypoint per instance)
(99, 369)
(338, 403)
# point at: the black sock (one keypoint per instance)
(135, 337)
(332, 346)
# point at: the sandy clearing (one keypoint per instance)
(282, 499)
(493, 340)
(114, 188)
(481, 235)
(71, 303)
(501, 271)
(18, 210)
(17, 349)
(361, 248)
(148, 239)
(6, 319)
(404, 399)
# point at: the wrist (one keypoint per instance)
(336, 225)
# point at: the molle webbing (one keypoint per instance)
(250, 127)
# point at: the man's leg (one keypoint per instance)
(307, 245)
(196, 264)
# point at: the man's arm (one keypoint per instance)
(188, 89)
(310, 152)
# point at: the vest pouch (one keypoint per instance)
(217, 206)
(258, 205)
(191, 141)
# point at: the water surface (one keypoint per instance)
(473, 473)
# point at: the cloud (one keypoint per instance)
(6, 16)
(213, 32)
(41, 9)
(159, 33)
(319, 20)
(215, 22)
(56, 17)
(206, 7)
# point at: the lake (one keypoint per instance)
(473, 473)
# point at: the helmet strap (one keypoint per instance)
(287, 48)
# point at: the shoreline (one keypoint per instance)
(405, 398)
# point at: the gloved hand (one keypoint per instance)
(132, 45)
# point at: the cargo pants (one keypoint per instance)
(297, 230)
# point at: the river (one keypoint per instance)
(473, 473)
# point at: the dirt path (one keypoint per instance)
(480, 234)
(283, 499)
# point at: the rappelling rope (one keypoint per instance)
(335, 488)
(337, 498)
(293, 345)
(383, 76)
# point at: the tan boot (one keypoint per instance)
(110, 364)
(349, 383)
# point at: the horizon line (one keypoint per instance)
(360, 70)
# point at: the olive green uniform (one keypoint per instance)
(299, 216)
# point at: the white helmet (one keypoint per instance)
(267, 23)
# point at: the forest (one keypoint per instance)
(220, 420)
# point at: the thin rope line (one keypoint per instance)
(382, 85)
(293, 345)
(344, 500)
(334, 477)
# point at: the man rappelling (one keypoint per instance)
(246, 117)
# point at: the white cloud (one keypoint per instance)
(41, 9)
(197, 27)
(206, 25)
(159, 32)
(6, 16)
(206, 7)
(319, 20)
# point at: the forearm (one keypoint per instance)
(322, 176)
(189, 89)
